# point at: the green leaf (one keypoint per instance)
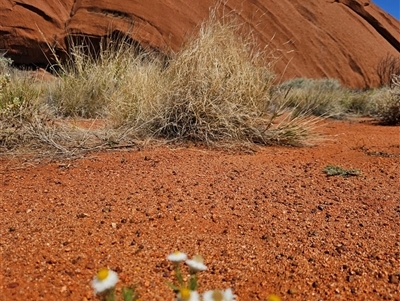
(129, 293)
(179, 276)
(173, 287)
(193, 282)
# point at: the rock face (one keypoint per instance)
(343, 39)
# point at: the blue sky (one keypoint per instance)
(391, 6)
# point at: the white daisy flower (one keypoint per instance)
(104, 280)
(196, 264)
(217, 295)
(186, 294)
(177, 257)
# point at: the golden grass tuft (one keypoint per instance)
(217, 90)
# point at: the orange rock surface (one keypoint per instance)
(343, 39)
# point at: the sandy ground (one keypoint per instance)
(265, 222)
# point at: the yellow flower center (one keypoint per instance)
(185, 293)
(198, 258)
(102, 274)
(217, 295)
(273, 298)
(177, 253)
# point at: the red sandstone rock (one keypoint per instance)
(342, 39)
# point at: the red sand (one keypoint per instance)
(265, 222)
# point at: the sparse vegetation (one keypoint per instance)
(320, 97)
(333, 170)
(218, 89)
(326, 97)
(21, 107)
(388, 67)
(360, 102)
(389, 105)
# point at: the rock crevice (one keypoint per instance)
(37, 11)
(384, 32)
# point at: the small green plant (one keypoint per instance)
(333, 170)
(104, 287)
(105, 281)
(195, 265)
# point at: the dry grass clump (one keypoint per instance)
(361, 102)
(86, 80)
(327, 98)
(21, 105)
(218, 88)
(27, 123)
(133, 105)
(319, 97)
(388, 108)
(119, 83)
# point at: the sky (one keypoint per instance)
(390, 6)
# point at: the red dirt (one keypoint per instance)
(265, 222)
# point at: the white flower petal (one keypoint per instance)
(177, 256)
(196, 266)
(208, 296)
(100, 286)
(226, 295)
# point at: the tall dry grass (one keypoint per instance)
(319, 97)
(87, 79)
(389, 105)
(218, 89)
(22, 107)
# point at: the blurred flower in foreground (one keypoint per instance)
(273, 297)
(105, 279)
(196, 264)
(217, 295)
(177, 257)
(186, 294)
